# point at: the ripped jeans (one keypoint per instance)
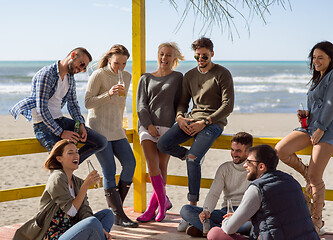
(169, 144)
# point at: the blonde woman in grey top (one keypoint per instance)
(105, 100)
(158, 95)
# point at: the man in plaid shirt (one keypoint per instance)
(52, 87)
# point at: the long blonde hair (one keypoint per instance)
(178, 54)
(115, 49)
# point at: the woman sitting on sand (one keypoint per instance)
(64, 210)
(158, 96)
(318, 131)
(105, 100)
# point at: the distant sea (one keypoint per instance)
(260, 86)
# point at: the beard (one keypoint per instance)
(71, 68)
(238, 161)
(251, 176)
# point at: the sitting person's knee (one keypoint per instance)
(215, 233)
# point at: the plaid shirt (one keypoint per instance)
(44, 85)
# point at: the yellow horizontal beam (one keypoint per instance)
(36, 191)
(207, 182)
(31, 145)
(29, 192)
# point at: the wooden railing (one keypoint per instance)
(31, 146)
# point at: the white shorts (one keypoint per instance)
(144, 134)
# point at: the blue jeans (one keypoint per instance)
(91, 228)
(190, 213)
(123, 151)
(169, 144)
(95, 142)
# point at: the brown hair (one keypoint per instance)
(176, 52)
(203, 42)
(115, 49)
(267, 155)
(243, 138)
(79, 51)
(51, 162)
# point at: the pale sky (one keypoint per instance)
(48, 30)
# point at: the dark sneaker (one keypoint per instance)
(194, 232)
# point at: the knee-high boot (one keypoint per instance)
(158, 185)
(123, 188)
(318, 202)
(149, 214)
(114, 202)
(297, 164)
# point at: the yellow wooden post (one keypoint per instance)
(138, 68)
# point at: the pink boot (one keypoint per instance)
(149, 214)
(158, 185)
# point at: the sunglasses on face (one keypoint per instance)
(82, 65)
(197, 57)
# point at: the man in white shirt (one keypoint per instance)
(229, 178)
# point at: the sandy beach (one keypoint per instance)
(27, 170)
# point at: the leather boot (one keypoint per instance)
(114, 202)
(297, 164)
(318, 198)
(158, 185)
(123, 189)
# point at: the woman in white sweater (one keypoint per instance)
(105, 100)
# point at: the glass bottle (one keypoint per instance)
(121, 82)
(91, 168)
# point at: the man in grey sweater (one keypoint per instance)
(230, 178)
(210, 86)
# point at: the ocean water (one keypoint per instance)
(260, 86)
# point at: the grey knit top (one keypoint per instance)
(157, 99)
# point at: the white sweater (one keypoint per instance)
(105, 113)
(231, 179)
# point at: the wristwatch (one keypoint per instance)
(206, 121)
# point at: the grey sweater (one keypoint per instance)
(157, 99)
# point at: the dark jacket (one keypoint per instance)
(283, 213)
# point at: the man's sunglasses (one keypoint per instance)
(82, 65)
(197, 57)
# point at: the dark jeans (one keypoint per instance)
(95, 142)
(169, 143)
(190, 214)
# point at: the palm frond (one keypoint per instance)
(222, 13)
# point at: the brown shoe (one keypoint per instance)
(194, 232)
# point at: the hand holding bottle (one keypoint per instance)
(303, 116)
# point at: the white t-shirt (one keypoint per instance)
(54, 104)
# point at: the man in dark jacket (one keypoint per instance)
(274, 202)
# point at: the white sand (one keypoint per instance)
(27, 170)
